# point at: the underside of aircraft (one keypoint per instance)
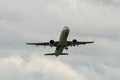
(62, 44)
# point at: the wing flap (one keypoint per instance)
(86, 42)
(70, 43)
(64, 54)
(43, 43)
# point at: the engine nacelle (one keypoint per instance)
(74, 42)
(51, 43)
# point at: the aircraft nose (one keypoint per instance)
(66, 27)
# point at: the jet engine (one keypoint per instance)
(51, 43)
(74, 42)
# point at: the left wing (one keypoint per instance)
(70, 43)
(43, 44)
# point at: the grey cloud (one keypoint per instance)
(38, 18)
(115, 3)
(105, 72)
(36, 68)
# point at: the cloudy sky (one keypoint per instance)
(24, 21)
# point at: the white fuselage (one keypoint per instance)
(62, 41)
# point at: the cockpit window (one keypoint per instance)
(66, 27)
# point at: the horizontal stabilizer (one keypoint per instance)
(50, 54)
(64, 54)
(55, 54)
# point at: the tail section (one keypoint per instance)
(56, 54)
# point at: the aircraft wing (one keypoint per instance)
(70, 43)
(43, 44)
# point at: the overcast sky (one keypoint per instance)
(24, 21)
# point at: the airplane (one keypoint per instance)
(62, 43)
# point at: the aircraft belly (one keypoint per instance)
(62, 42)
(63, 38)
(58, 52)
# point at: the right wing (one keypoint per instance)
(70, 43)
(43, 44)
